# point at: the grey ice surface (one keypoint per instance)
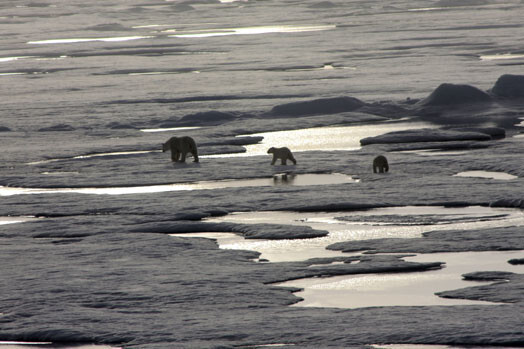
(81, 79)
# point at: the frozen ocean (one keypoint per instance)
(107, 242)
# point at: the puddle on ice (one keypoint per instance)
(50, 345)
(17, 219)
(398, 289)
(169, 129)
(325, 138)
(501, 56)
(404, 289)
(280, 179)
(317, 138)
(9, 59)
(432, 152)
(432, 346)
(404, 222)
(89, 156)
(253, 30)
(80, 40)
(487, 174)
(320, 138)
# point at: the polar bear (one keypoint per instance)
(179, 147)
(380, 164)
(283, 154)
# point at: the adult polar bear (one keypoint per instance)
(179, 147)
(283, 154)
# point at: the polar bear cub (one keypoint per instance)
(380, 164)
(179, 147)
(283, 154)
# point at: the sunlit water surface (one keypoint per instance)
(474, 217)
(404, 289)
(370, 290)
(321, 138)
(487, 174)
(276, 180)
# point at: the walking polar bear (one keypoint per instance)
(179, 147)
(380, 164)
(283, 154)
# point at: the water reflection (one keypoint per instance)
(404, 289)
(406, 222)
(15, 219)
(320, 138)
(80, 40)
(501, 56)
(486, 174)
(170, 129)
(51, 345)
(283, 179)
(254, 30)
(431, 346)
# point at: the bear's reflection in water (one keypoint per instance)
(284, 178)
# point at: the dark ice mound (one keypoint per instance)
(323, 4)
(453, 3)
(509, 86)
(4, 129)
(108, 27)
(318, 106)
(208, 118)
(59, 127)
(119, 126)
(183, 7)
(494, 132)
(451, 94)
(426, 135)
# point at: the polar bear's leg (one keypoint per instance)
(292, 158)
(174, 155)
(195, 155)
(274, 159)
(183, 159)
